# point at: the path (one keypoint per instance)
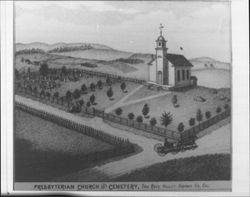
(122, 102)
(216, 142)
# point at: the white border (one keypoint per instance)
(240, 124)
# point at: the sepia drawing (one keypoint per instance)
(122, 92)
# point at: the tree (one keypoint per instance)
(145, 110)
(153, 121)
(44, 70)
(35, 90)
(110, 93)
(68, 96)
(181, 127)
(76, 94)
(92, 87)
(99, 84)
(131, 116)
(84, 88)
(166, 119)
(56, 96)
(174, 100)
(139, 119)
(123, 86)
(118, 111)
(108, 81)
(191, 122)
(64, 70)
(199, 115)
(48, 95)
(81, 102)
(226, 107)
(218, 109)
(92, 99)
(88, 104)
(208, 114)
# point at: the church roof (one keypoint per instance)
(178, 60)
(175, 59)
(160, 38)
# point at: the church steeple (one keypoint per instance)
(161, 42)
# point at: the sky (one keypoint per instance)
(200, 28)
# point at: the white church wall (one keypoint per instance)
(171, 75)
(152, 72)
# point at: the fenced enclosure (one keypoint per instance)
(193, 131)
(86, 130)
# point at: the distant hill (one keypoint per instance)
(207, 63)
(46, 47)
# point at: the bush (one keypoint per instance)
(131, 116)
(208, 114)
(199, 115)
(226, 107)
(123, 86)
(218, 109)
(166, 119)
(145, 110)
(84, 88)
(92, 87)
(181, 127)
(153, 121)
(118, 111)
(139, 119)
(110, 93)
(76, 94)
(99, 84)
(92, 99)
(191, 122)
(88, 104)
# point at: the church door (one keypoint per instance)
(159, 77)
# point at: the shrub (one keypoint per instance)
(92, 87)
(166, 119)
(208, 114)
(99, 84)
(139, 119)
(84, 88)
(88, 104)
(174, 100)
(76, 94)
(218, 109)
(123, 86)
(110, 93)
(92, 99)
(145, 110)
(81, 102)
(180, 127)
(118, 111)
(191, 122)
(226, 107)
(131, 116)
(153, 121)
(108, 81)
(199, 115)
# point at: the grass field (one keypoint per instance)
(44, 150)
(187, 105)
(199, 168)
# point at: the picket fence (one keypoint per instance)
(193, 131)
(86, 130)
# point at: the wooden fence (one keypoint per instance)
(86, 130)
(193, 131)
(113, 76)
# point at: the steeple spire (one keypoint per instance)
(161, 27)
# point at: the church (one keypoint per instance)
(169, 70)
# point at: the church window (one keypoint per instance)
(187, 74)
(178, 75)
(183, 74)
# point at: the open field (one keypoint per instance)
(199, 168)
(213, 78)
(187, 105)
(46, 136)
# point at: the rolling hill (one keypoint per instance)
(207, 63)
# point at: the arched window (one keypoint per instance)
(159, 44)
(183, 74)
(178, 75)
